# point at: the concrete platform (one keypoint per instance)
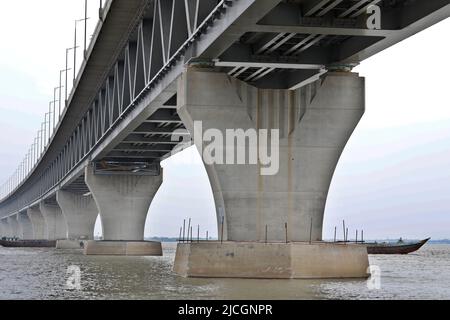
(123, 248)
(295, 260)
(70, 244)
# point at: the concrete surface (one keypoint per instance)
(80, 213)
(38, 223)
(25, 226)
(123, 202)
(123, 248)
(299, 260)
(70, 244)
(54, 220)
(314, 123)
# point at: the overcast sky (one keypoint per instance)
(392, 180)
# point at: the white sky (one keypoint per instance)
(394, 176)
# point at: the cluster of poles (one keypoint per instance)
(186, 233)
(345, 234)
(52, 118)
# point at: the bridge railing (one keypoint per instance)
(57, 106)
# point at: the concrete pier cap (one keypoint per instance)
(284, 208)
(123, 200)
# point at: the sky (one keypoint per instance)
(393, 179)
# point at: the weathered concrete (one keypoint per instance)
(80, 213)
(123, 202)
(25, 226)
(38, 223)
(123, 248)
(314, 124)
(70, 244)
(14, 226)
(271, 260)
(54, 219)
(5, 228)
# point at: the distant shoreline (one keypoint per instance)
(431, 241)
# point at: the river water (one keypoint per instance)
(44, 274)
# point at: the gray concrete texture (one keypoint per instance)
(315, 123)
(80, 212)
(123, 202)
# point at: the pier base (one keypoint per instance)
(123, 248)
(70, 244)
(296, 260)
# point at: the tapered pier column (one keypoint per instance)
(5, 228)
(123, 201)
(14, 226)
(80, 212)
(278, 197)
(54, 220)
(25, 226)
(38, 223)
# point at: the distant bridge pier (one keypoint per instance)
(314, 123)
(54, 220)
(5, 228)
(14, 226)
(80, 213)
(123, 200)
(38, 223)
(25, 226)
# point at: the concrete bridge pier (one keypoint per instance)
(123, 200)
(5, 228)
(14, 226)
(54, 220)
(80, 212)
(25, 226)
(272, 211)
(38, 223)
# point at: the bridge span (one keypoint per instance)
(154, 70)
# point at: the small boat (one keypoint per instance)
(28, 243)
(399, 247)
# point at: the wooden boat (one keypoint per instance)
(28, 243)
(399, 247)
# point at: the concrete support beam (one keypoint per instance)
(55, 221)
(38, 223)
(25, 226)
(80, 213)
(123, 201)
(14, 226)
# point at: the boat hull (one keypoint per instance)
(28, 244)
(395, 249)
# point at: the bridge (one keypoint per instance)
(153, 71)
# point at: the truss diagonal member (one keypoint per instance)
(270, 43)
(281, 42)
(316, 8)
(301, 43)
(362, 10)
(329, 8)
(263, 74)
(353, 8)
(256, 73)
